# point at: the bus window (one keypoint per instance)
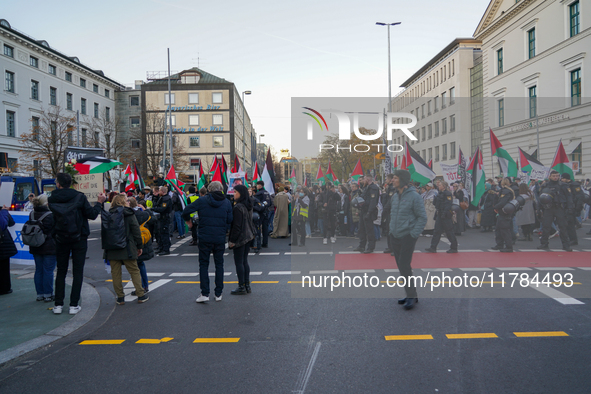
(22, 190)
(47, 189)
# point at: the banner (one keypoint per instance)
(539, 174)
(234, 179)
(450, 173)
(80, 153)
(90, 184)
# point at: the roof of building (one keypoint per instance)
(45, 45)
(205, 77)
(437, 57)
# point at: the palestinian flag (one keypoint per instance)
(462, 162)
(430, 164)
(236, 167)
(127, 171)
(132, 182)
(330, 175)
(268, 175)
(138, 177)
(217, 174)
(255, 173)
(419, 170)
(358, 171)
(561, 162)
(320, 175)
(476, 178)
(292, 180)
(181, 194)
(396, 162)
(214, 165)
(508, 165)
(225, 173)
(534, 168)
(95, 165)
(202, 179)
(403, 162)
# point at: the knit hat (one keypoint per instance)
(566, 175)
(243, 192)
(403, 177)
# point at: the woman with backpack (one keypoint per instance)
(127, 255)
(44, 254)
(7, 250)
(241, 234)
(145, 220)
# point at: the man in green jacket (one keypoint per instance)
(407, 221)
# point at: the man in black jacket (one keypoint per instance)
(264, 198)
(443, 219)
(503, 229)
(369, 213)
(389, 191)
(164, 208)
(556, 200)
(578, 197)
(71, 211)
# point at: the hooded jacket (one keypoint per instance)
(62, 201)
(242, 230)
(134, 237)
(215, 216)
(147, 249)
(407, 214)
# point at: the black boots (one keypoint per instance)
(240, 290)
(247, 287)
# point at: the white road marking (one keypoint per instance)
(436, 269)
(320, 252)
(184, 274)
(391, 270)
(225, 273)
(256, 273)
(295, 253)
(556, 295)
(513, 268)
(475, 269)
(92, 239)
(358, 271)
(190, 254)
(585, 268)
(269, 254)
(171, 255)
(554, 268)
(530, 250)
(153, 286)
(156, 273)
(284, 272)
(348, 252)
(324, 272)
(470, 250)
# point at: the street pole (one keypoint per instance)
(170, 107)
(538, 155)
(243, 111)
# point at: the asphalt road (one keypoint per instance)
(281, 339)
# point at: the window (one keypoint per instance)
(216, 98)
(193, 120)
(134, 101)
(10, 127)
(429, 108)
(423, 111)
(430, 131)
(34, 90)
(194, 142)
(34, 62)
(443, 97)
(97, 138)
(501, 104)
(35, 128)
(166, 101)
(423, 134)
(436, 153)
(84, 131)
(134, 122)
(52, 96)
(217, 119)
(500, 61)
(430, 154)
(136, 144)
(95, 87)
(68, 76)
(531, 43)
(574, 19)
(575, 87)
(107, 93)
(96, 110)
(171, 119)
(83, 106)
(70, 137)
(69, 101)
(532, 102)
(193, 98)
(218, 141)
(436, 104)
(443, 126)
(8, 50)
(83, 82)
(437, 129)
(452, 123)
(452, 96)
(9, 84)
(424, 154)
(452, 150)
(108, 114)
(108, 142)
(444, 152)
(52, 69)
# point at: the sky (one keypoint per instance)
(276, 49)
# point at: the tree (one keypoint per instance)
(46, 142)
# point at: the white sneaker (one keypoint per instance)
(324, 241)
(333, 239)
(74, 309)
(57, 309)
(202, 298)
(218, 298)
(308, 236)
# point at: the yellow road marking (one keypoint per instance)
(154, 341)
(468, 336)
(215, 340)
(264, 281)
(541, 334)
(125, 281)
(103, 342)
(407, 337)
(187, 281)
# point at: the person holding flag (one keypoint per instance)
(164, 208)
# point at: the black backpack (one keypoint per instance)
(32, 233)
(113, 231)
(68, 221)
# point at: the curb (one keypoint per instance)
(91, 303)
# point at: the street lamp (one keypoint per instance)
(247, 92)
(389, 76)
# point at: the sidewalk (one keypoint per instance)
(28, 324)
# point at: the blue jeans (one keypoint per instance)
(44, 266)
(143, 274)
(180, 225)
(205, 248)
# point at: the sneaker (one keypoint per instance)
(120, 301)
(325, 241)
(218, 298)
(49, 299)
(202, 298)
(143, 298)
(40, 298)
(430, 250)
(333, 239)
(74, 310)
(57, 310)
(308, 236)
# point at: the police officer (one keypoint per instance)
(369, 213)
(265, 199)
(503, 230)
(555, 198)
(164, 208)
(443, 219)
(386, 197)
(192, 197)
(578, 197)
(331, 201)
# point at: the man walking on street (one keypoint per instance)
(215, 217)
(444, 219)
(71, 211)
